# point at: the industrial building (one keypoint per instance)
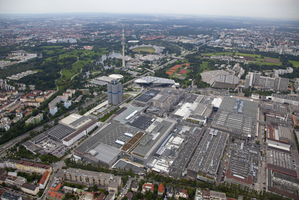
(280, 161)
(282, 184)
(148, 146)
(195, 108)
(206, 159)
(72, 128)
(280, 98)
(238, 117)
(138, 136)
(115, 93)
(187, 149)
(167, 99)
(243, 164)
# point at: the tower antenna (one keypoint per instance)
(123, 42)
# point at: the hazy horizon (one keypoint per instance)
(271, 9)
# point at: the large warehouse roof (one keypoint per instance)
(106, 153)
(60, 131)
(154, 80)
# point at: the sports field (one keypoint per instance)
(144, 49)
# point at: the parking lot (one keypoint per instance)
(53, 147)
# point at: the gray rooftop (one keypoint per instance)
(106, 153)
(108, 135)
(148, 95)
(60, 131)
(142, 122)
(209, 152)
(144, 150)
(121, 117)
(249, 108)
(286, 177)
(244, 160)
(79, 121)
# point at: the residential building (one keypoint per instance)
(44, 180)
(30, 189)
(53, 195)
(147, 187)
(8, 163)
(91, 178)
(35, 119)
(56, 185)
(33, 167)
(161, 189)
(169, 191)
(135, 186)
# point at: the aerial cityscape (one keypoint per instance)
(100, 105)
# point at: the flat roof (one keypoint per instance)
(132, 141)
(155, 80)
(144, 150)
(106, 153)
(142, 122)
(244, 158)
(72, 135)
(107, 135)
(185, 153)
(60, 131)
(148, 95)
(209, 152)
(121, 117)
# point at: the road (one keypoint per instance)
(56, 168)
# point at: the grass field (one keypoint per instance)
(204, 65)
(144, 49)
(272, 60)
(51, 47)
(67, 73)
(295, 63)
(248, 55)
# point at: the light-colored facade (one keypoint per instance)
(32, 167)
(91, 178)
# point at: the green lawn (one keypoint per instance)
(295, 63)
(248, 55)
(67, 73)
(204, 65)
(51, 47)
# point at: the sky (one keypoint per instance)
(278, 9)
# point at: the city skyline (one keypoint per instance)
(276, 9)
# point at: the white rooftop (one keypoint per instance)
(152, 79)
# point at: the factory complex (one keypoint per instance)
(171, 131)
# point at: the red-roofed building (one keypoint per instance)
(44, 180)
(147, 187)
(161, 189)
(55, 195)
(186, 64)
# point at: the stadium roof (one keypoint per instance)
(154, 80)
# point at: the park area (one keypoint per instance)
(252, 58)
